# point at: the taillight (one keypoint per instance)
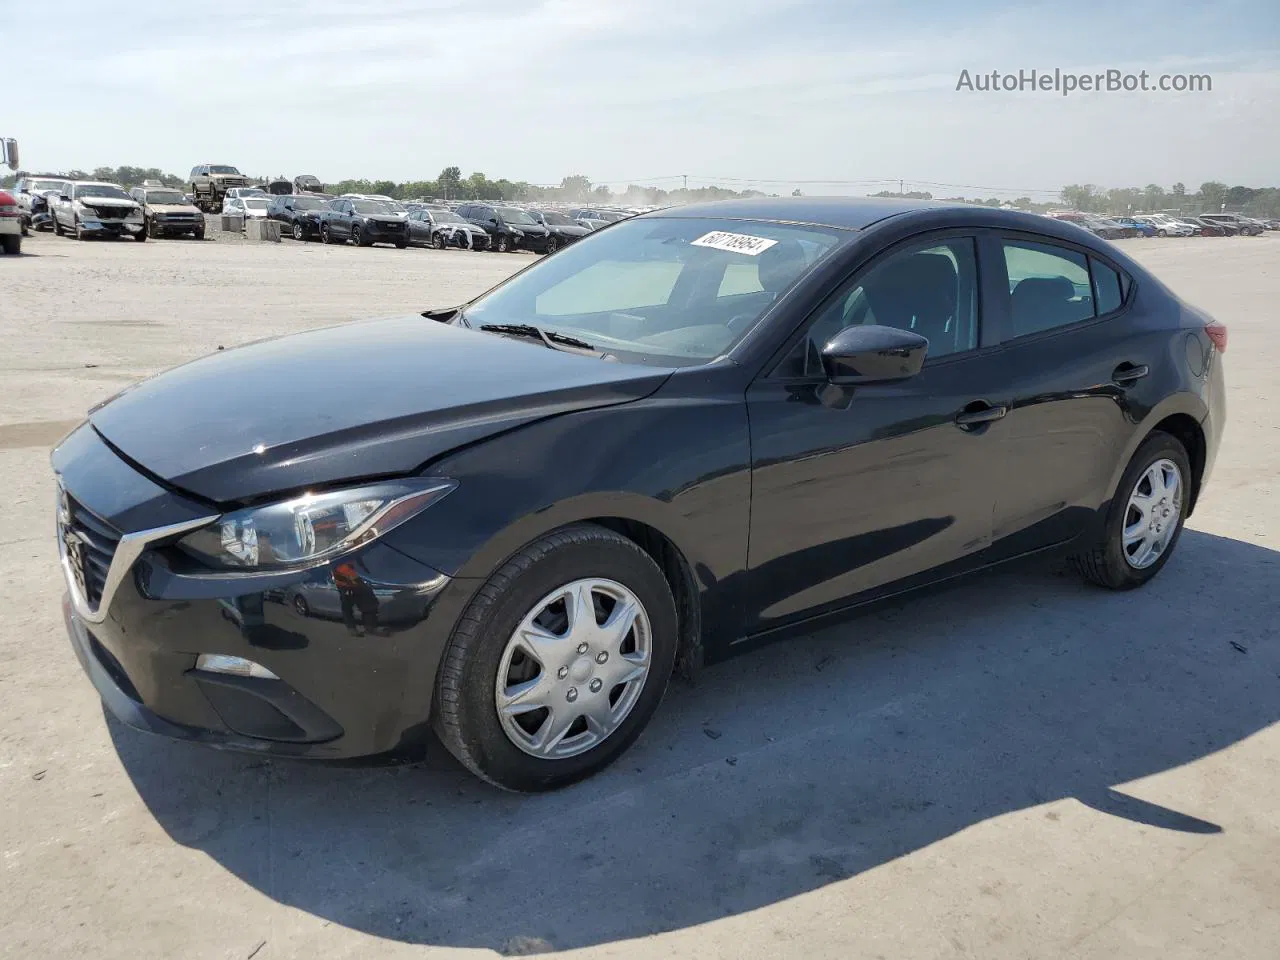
(1217, 332)
(8, 205)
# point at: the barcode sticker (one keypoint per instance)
(734, 242)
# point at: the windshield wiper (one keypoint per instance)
(553, 339)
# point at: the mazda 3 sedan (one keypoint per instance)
(511, 520)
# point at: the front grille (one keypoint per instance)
(90, 543)
(111, 213)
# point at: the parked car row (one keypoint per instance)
(367, 219)
(1167, 225)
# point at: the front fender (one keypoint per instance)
(679, 466)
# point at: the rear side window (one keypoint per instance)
(1108, 295)
(1049, 287)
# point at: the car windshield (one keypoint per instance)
(512, 215)
(249, 192)
(165, 196)
(100, 190)
(307, 203)
(37, 185)
(255, 203)
(224, 170)
(557, 219)
(665, 291)
(445, 216)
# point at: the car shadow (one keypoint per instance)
(804, 763)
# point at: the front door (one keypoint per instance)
(855, 489)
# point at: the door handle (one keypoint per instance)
(980, 412)
(1128, 373)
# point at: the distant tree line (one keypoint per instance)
(1212, 197)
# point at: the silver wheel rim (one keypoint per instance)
(573, 670)
(1152, 513)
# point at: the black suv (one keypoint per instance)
(509, 227)
(300, 214)
(364, 222)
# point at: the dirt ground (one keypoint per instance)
(1016, 767)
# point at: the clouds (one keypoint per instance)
(734, 88)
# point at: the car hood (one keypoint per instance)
(366, 399)
(107, 202)
(574, 231)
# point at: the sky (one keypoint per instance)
(831, 96)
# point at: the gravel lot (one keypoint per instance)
(1015, 767)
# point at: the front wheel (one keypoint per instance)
(502, 244)
(298, 233)
(141, 235)
(1145, 518)
(438, 241)
(11, 244)
(552, 245)
(325, 236)
(357, 236)
(559, 662)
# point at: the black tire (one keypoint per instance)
(11, 245)
(552, 245)
(401, 244)
(1162, 233)
(358, 237)
(1104, 562)
(57, 227)
(438, 241)
(324, 234)
(301, 606)
(76, 231)
(501, 245)
(141, 235)
(298, 233)
(466, 716)
(198, 234)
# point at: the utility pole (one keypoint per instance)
(686, 180)
(899, 188)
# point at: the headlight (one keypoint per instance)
(89, 213)
(312, 527)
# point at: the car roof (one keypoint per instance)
(851, 213)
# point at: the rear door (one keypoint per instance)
(1079, 371)
(858, 490)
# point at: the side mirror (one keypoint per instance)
(873, 354)
(63, 196)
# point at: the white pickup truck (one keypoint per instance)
(91, 209)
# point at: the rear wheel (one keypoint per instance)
(11, 244)
(559, 661)
(1145, 518)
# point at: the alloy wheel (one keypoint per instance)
(1152, 514)
(573, 669)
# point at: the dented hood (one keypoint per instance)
(377, 398)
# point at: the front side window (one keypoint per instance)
(1049, 287)
(669, 291)
(930, 289)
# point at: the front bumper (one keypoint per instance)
(355, 666)
(112, 228)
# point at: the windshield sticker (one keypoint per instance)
(734, 242)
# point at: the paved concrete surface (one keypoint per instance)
(1017, 767)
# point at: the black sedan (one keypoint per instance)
(563, 230)
(299, 214)
(364, 222)
(701, 428)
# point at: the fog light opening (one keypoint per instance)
(235, 666)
